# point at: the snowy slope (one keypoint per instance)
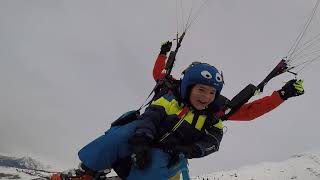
(299, 167)
(304, 166)
(23, 162)
(14, 168)
(7, 173)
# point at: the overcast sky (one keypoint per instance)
(69, 68)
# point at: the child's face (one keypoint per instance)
(201, 96)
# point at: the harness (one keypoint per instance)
(181, 115)
(199, 120)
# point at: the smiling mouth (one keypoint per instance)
(202, 102)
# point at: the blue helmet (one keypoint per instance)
(200, 73)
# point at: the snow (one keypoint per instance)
(304, 166)
(9, 173)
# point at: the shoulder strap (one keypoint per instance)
(219, 104)
(164, 85)
(181, 115)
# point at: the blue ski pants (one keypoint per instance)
(106, 149)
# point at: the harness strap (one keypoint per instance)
(195, 119)
(184, 111)
(164, 85)
(181, 115)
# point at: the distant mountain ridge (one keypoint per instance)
(22, 163)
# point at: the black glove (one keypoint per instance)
(141, 151)
(165, 47)
(292, 88)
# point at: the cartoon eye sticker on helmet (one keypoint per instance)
(206, 74)
(219, 77)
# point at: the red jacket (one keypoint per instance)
(159, 66)
(247, 112)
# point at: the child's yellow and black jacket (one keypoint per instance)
(199, 130)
